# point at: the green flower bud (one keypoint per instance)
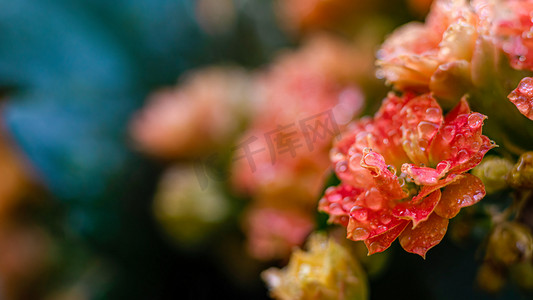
(493, 172)
(521, 175)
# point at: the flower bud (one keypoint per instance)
(493, 172)
(509, 243)
(186, 211)
(326, 271)
(521, 175)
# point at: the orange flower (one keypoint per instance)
(417, 56)
(376, 203)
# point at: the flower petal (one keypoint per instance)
(383, 241)
(385, 180)
(338, 201)
(366, 223)
(464, 192)
(459, 140)
(417, 211)
(422, 118)
(522, 97)
(422, 238)
(425, 175)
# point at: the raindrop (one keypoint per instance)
(359, 213)
(373, 199)
(475, 120)
(385, 219)
(426, 130)
(335, 198)
(462, 156)
(341, 167)
(448, 132)
(360, 234)
(433, 114)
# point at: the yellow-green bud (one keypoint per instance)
(493, 172)
(326, 271)
(521, 175)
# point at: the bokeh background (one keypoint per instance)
(77, 218)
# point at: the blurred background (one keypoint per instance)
(111, 189)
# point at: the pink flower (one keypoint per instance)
(417, 56)
(273, 233)
(202, 113)
(303, 99)
(393, 167)
(509, 23)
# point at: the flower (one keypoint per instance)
(304, 99)
(274, 232)
(326, 271)
(174, 118)
(421, 57)
(509, 23)
(308, 87)
(185, 211)
(376, 202)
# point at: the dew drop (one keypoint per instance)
(360, 234)
(427, 130)
(335, 209)
(385, 219)
(359, 213)
(373, 199)
(448, 132)
(335, 198)
(341, 167)
(475, 120)
(433, 114)
(466, 200)
(462, 156)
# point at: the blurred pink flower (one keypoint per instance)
(273, 233)
(303, 99)
(204, 112)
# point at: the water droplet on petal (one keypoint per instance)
(359, 213)
(385, 219)
(373, 199)
(427, 130)
(462, 156)
(335, 209)
(448, 133)
(360, 234)
(335, 198)
(475, 120)
(433, 114)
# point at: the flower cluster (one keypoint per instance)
(304, 98)
(394, 166)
